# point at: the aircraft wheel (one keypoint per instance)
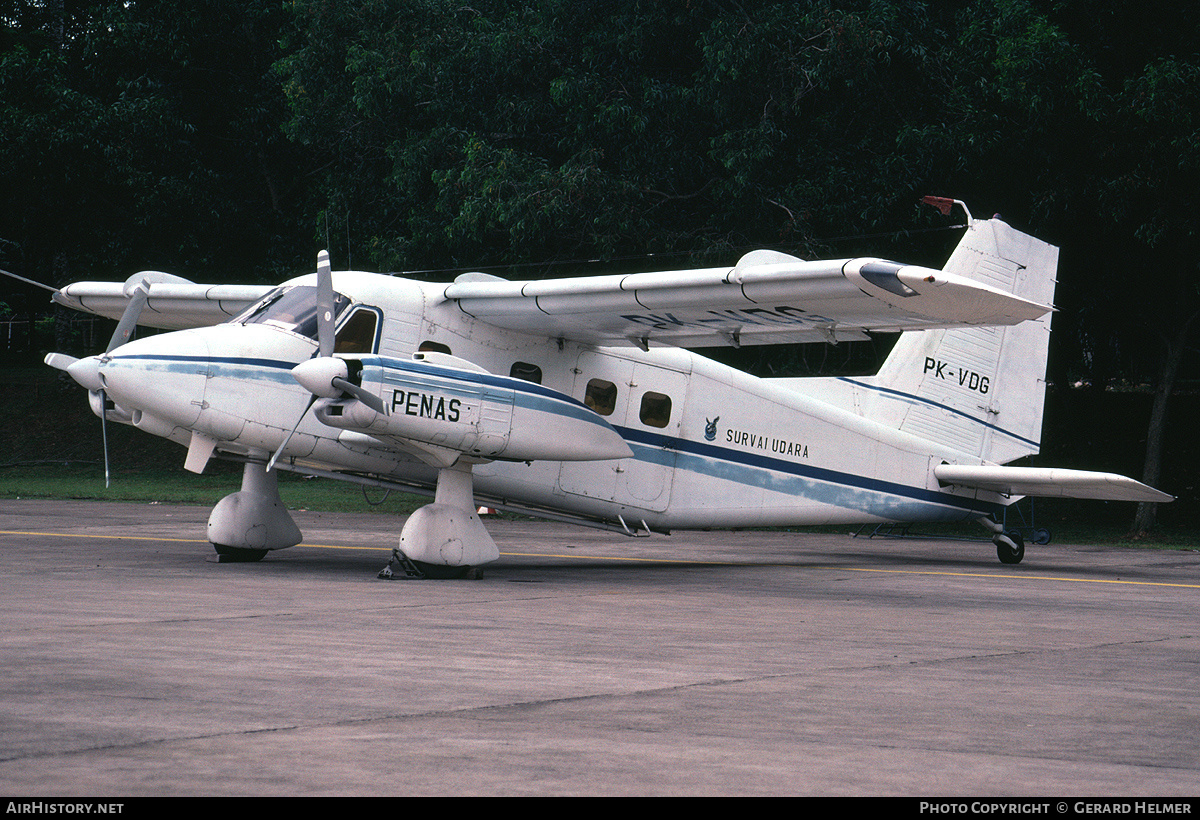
(1007, 554)
(440, 571)
(1041, 536)
(236, 555)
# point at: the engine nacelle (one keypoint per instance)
(476, 413)
(114, 411)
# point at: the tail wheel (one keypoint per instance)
(1011, 554)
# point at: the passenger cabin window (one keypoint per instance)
(433, 347)
(358, 333)
(528, 372)
(656, 409)
(601, 396)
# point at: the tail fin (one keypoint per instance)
(979, 390)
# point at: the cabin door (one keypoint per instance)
(644, 403)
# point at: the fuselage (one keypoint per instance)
(712, 446)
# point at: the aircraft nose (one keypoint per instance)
(162, 375)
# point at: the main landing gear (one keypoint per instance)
(246, 525)
(444, 539)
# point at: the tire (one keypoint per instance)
(1007, 554)
(238, 555)
(443, 572)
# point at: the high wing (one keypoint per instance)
(767, 298)
(1048, 482)
(174, 303)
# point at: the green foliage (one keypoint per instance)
(235, 136)
(227, 141)
(148, 138)
(84, 480)
(502, 134)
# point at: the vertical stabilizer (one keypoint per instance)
(980, 390)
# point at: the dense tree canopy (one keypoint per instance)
(228, 140)
(149, 135)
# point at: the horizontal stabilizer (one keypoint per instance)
(1048, 482)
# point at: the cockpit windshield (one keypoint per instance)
(293, 309)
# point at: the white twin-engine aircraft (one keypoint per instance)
(573, 399)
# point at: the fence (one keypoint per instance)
(24, 337)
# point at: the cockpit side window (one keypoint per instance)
(526, 371)
(293, 309)
(358, 334)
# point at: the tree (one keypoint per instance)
(238, 137)
(1157, 193)
(1134, 197)
(149, 135)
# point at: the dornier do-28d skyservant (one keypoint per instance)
(574, 399)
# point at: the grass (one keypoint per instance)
(85, 480)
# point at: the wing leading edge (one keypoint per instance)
(174, 303)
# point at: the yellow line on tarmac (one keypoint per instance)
(164, 538)
(1015, 577)
(350, 547)
(94, 535)
(341, 547)
(659, 561)
(631, 558)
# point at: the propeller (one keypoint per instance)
(87, 371)
(326, 376)
(121, 335)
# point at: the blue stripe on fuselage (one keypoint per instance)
(272, 370)
(778, 475)
(750, 469)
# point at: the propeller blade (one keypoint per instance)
(130, 317)
(362, 394)
(323, 375)
(325, 305)
(60, 361)
(104, 433)
(271, 464)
